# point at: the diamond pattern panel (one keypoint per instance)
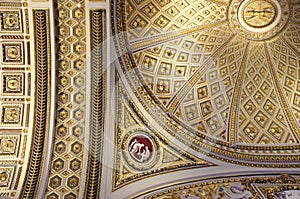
(292, 34)
(206, 106)
(259, 105)
(145, 19)
(229, 65)
(165, 158)
(179, 49)
(296, 12)
(166, 67)
(287, 66)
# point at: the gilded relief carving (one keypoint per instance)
(67, 158)
(12, 52)
(10, 21)
(16, 99)
(194, 85)
(98, 61)
(278, 187)
(259, 14)
(141, 153)
(41, 117)
(13, 84)
(216, 69)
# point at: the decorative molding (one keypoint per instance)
(233, 186)
(94, 175)
(133, 135)
(41, 118)
(68, 161)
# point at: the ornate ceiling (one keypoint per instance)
(216, 71)
(166, 99)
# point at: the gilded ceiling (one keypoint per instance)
(222, 72)
(167, 99)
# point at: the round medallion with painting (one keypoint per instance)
(140, 148)
(222, 75)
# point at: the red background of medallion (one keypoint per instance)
(145, 141)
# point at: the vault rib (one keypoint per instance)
(145, 43)
(295, 2)
(290, 45)
(234, 106)
(295, 22)
(219, 2)
(292, 124)
(190, 83)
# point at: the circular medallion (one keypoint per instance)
(259, 14)
(258, 19)
(140, 150)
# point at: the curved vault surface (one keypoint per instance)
(223, 73)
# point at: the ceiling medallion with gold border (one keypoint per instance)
(258, 19)
(140, 150)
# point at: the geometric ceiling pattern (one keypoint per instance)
(196, 99)
(17, 97)
(226, 71)
(164, 158)
(221, 55)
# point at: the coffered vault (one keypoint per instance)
(149, 99)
